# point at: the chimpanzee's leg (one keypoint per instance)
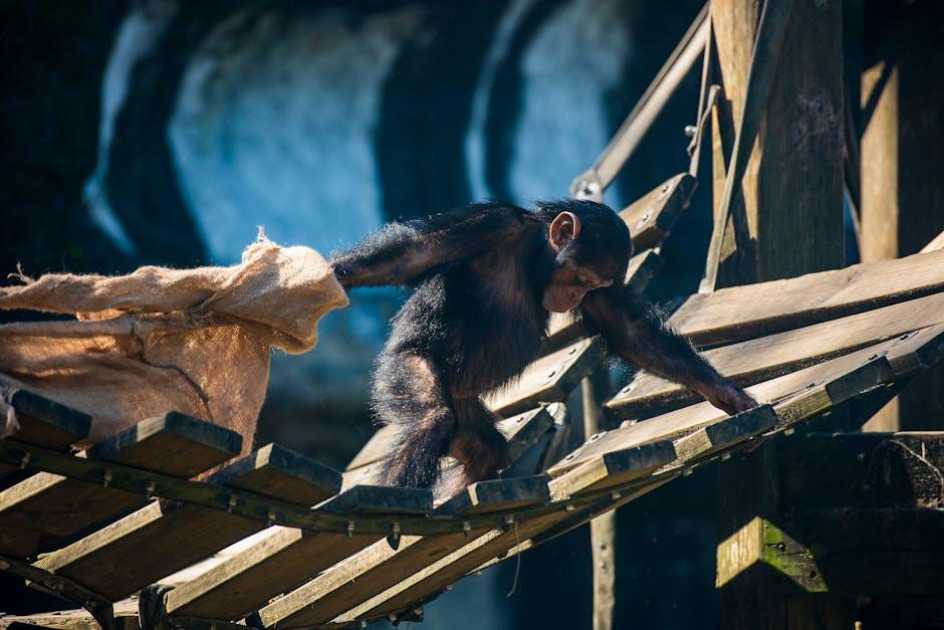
(478, 445)
(408, 394)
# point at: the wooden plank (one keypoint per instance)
(380, 567)
(740, 313)
(167, 536)
(758, 359)
(550, 378)
(898, 358)
(651, 218)
(497, 543)
(283, 557)
(819, 385)
(46, 509)
(44, 422)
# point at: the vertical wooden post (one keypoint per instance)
(792, 191)
(902, 158)
(792, 196)
(603, 527)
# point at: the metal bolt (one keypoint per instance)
(725, 456)
(270, 517)
(231, 504)
(860, 457)
(151, 489)
(570, 507)
(781, 547)
(690, 131)
(687, 472)
(449, 587)
(466, 528)
(4, 565)
(616, 495)
(106, 478)
(24, 462)
(789, 431)
(350, 529)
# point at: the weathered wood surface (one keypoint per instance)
(651, 218)
(47, 509)
(757, 359)
(380, 566)
(550, 378)
(282, 558)
(522, 431)
(43, 422)
(864, 516)
(817, 385)
(164, 536)
(493, 543)
(745, 312)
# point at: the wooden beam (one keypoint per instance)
(549, 379)
(759, 359)
(818, 385)
(902, 192)
(44, 422)
(46, 509)
(164, 537)
(868, 526)
(650, 218)
(746, 312)
(282, 558)
(381, 567)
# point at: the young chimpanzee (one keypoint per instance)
(485, 278)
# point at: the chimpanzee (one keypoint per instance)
(485, 278)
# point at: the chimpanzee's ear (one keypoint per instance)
(564, 228)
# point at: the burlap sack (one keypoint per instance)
(190, 340)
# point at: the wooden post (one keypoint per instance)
(792, 199)
(902, 157)
(603, 527)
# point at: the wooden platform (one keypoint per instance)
(127, 531)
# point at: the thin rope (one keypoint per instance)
(514, 582)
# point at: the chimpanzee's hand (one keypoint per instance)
(730, 398)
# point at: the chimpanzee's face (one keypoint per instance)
(575, 272)
(568, 285)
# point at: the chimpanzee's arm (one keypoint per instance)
(403, 251)
(634, 332)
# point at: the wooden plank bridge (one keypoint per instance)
(136, 534)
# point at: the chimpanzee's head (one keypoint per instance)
(591, 248)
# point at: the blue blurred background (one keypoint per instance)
(165, 132)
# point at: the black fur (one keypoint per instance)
(475, 320)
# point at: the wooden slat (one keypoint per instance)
(380, 567)
(550, 378)
(650, 218)
(806, 390)
(494, 543)
(45, 423)
(46, 509)
(754, 310)
(752, 361)
(831, 385)
(165, 536)
(281, 558)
